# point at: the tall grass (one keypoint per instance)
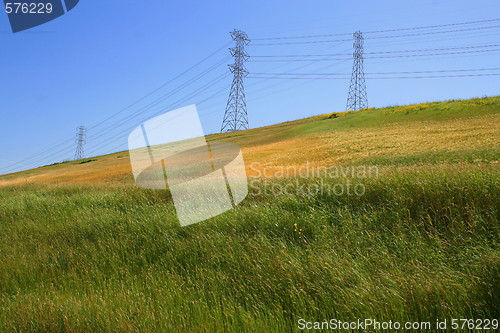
(83, 250)
(420, 244)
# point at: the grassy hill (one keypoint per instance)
(454, 131)
(83, 249)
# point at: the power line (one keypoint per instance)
(162, 86)
(111, 150)
(380, 31)
(373, 78)
(68, 143)
(386, 73)
(267, 88)
(286, 88)
(381, 57)
(66, 150)
(380, 37)
(381, 52)
(159, 100)
(475, 35)
(171, 106)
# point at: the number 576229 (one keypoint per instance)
(28, 8)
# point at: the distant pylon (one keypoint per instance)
(81, 138)
(357, 90)
(235, 116)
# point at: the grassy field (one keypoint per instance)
(82, 249)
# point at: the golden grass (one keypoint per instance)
(275, 146)
(351, 145)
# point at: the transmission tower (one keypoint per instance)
(81, 138)
(235, 116)
(357, 90)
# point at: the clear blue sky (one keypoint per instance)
(104, 55)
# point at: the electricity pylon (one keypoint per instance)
(81, 138)
(357, 98)
(235, 116)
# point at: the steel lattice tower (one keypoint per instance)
(235, 116)
(81, 138)
(357, 90)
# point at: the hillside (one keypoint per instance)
(452, 131)
(82, 249)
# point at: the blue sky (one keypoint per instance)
(102, 56)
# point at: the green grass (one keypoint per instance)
(421, 243)
(427, 112)
(116, 259)
(470, 156)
